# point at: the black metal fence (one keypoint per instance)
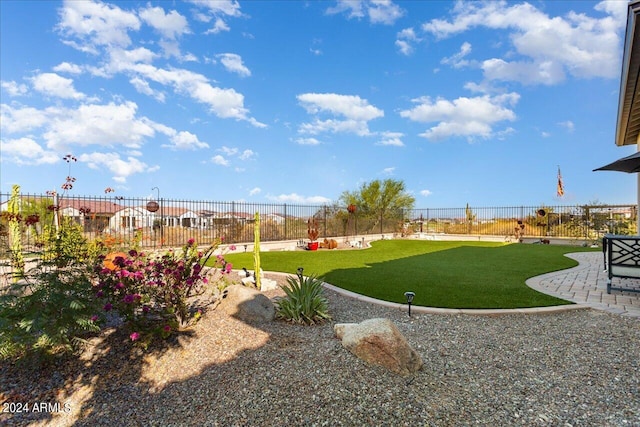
(169, 222)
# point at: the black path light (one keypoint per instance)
(409, 296)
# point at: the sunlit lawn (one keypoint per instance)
(444, 274)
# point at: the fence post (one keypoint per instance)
(233, 222)
(325, 220)
(285, 221)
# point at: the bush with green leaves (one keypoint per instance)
(52, 308)
(304, 301)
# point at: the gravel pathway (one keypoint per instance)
(577, 368)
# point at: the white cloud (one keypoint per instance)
(186, 141)
(391, 138)
(171, 25)
(247, 155)
(92, 124)
(96, 24)
(296, 198)
(107, 125)
(54, 85)
(67, 67)
(26, 151)
(349, 126)
(232, 152)
(228, 150)
(233, 63)
(224, 103)
(468, 117)
(378, 11)
(217, 10)
(568, 125)
(98, 28)
(145, 88)
(220, 7)
(21, 119)
(307, 141)
(425, 193)
(388, 171)
(254, 191)
(14, 89)
(120, 168)
(218, 27)
(352, 107)
(549, 47)
(220, 160)
(457, 60)
(355, 110)
(405, 40)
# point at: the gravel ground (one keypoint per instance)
(578, 368)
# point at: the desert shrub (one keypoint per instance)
(152, 292)
(304, 301)
(51, 307)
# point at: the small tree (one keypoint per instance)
(378, 199)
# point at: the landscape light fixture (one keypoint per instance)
(409, 296)
(300, 270)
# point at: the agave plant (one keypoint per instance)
(305, 301)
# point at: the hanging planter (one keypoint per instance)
(312, 246)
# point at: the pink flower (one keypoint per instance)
(94, 318)
(128, 299)
(228, 267)
(145, 308)
(190, 242)
(107, 307)
(232, 247)
(167, 328)
(134, 336)
(119, 285)
(100, 294)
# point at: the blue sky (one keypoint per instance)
(296, 102)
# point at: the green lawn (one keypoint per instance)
(442, 273)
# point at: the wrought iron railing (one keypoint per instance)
(171, 222)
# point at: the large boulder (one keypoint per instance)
(379, 342)
(247, 304)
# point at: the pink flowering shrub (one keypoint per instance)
(152, 292)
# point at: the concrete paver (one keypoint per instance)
(585, 285)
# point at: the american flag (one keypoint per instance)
(560, 190)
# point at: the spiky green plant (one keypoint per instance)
(305, 301)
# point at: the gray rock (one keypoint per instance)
(379, 342)
(247, 304)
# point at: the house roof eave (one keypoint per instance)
(628, 123)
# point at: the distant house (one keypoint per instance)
(172, 216)
(276, 218)
(130, 218)
(92, 214)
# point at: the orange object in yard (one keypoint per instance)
(109, 260)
